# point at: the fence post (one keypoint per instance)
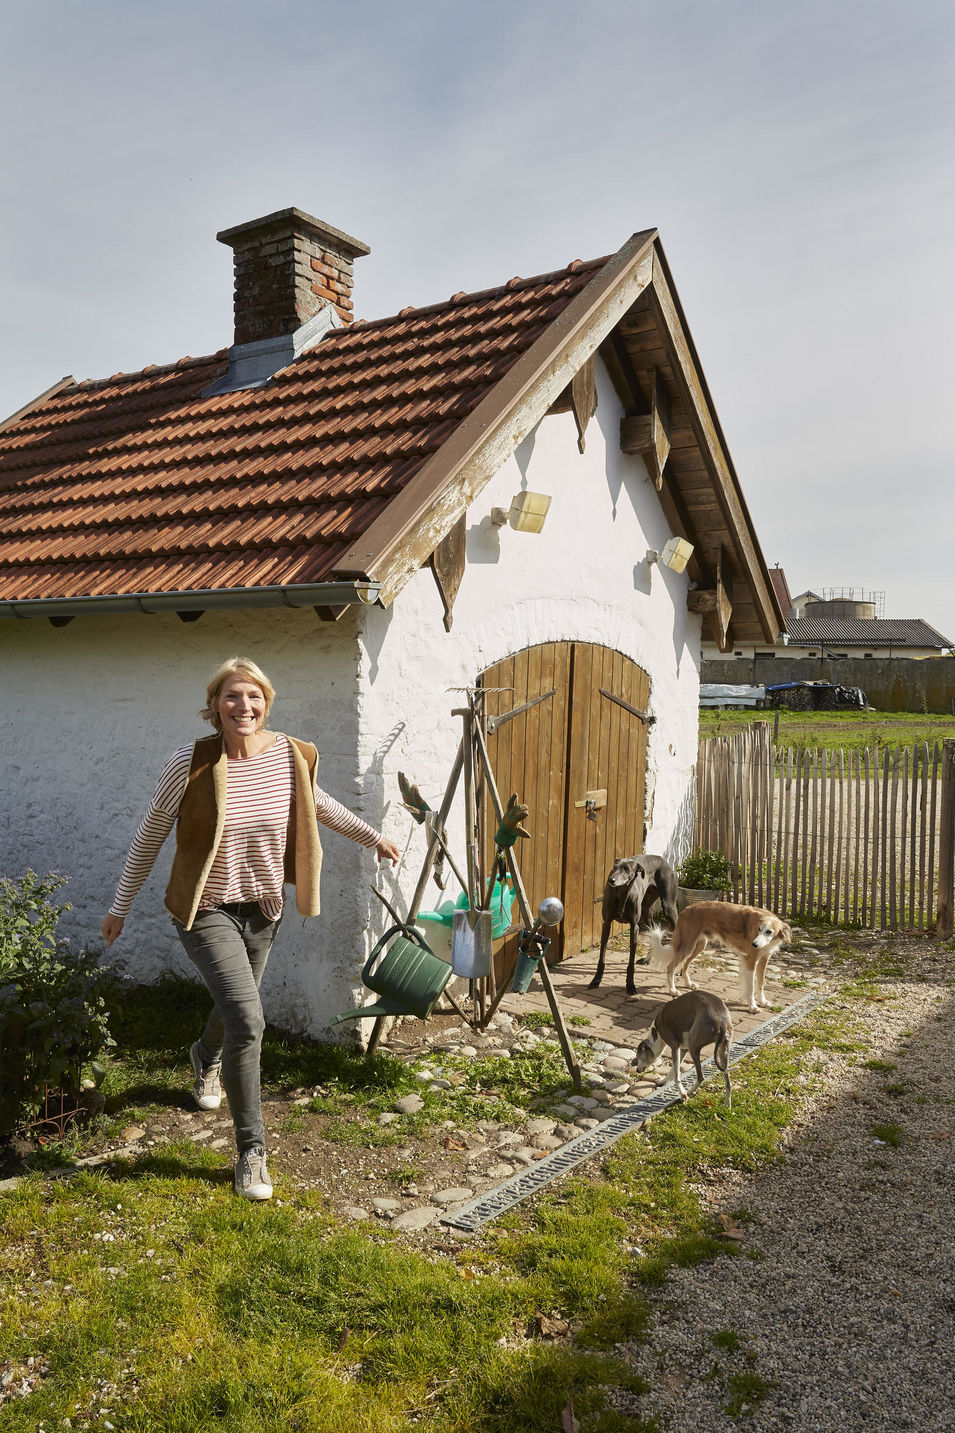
(946, 845)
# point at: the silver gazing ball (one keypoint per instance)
(550, 911)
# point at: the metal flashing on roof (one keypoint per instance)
(251, 365)
(312, 594)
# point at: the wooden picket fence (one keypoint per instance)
(862, 838)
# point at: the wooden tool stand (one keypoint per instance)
(473, 762)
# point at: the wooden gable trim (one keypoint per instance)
(68, 382)
(402, 539)
(712, 445)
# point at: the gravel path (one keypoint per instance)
(846, 1309)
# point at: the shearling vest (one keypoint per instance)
(201, 819)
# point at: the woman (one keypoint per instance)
(246, 805)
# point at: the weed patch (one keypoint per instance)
(538, 1019)
(746, 1391)
(891, 1134)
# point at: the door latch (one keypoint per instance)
(593, 802)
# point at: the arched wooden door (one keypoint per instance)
(568, 725)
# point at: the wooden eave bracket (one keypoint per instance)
(447, 563)
(715, 604)
(647, 435)
(583, 397)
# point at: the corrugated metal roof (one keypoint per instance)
(138, 484)
(864, 632)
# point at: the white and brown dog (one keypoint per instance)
(751, 933)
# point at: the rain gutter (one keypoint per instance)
(201, 599)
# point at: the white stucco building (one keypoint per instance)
(320, 498)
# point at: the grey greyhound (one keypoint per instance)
(691, 1021)
(634, 886)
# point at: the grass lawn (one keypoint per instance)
(831, 730)
(150, 1298)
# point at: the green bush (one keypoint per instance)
(706, 871)
(53, 1015)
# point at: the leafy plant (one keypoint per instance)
(706, 871)
(53, 1016)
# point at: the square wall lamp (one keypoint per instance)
(675, 555)
(526, 513)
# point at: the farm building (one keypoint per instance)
(347, 503)
(839, 623)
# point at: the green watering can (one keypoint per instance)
(409, 977)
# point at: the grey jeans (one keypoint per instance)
(229, 947)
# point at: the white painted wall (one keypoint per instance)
(91, 712)
(583, 578)
(93, 709)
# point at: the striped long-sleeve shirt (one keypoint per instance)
(249, 863)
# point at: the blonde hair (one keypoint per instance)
(229, 668)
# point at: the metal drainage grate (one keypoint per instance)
(521, 1186)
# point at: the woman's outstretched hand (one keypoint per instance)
(111, 927)
(387, 851)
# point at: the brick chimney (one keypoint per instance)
(293, 282)
(288, 266)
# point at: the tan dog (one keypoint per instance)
(753, 934)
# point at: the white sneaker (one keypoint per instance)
(251, 1178)
(206, 1090)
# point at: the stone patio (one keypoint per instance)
(608, 1013)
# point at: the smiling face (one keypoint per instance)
(241, 706)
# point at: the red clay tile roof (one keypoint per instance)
(138, 484)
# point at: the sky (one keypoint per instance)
(797, 159)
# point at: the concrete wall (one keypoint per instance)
(93, 709)
(892, 684)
